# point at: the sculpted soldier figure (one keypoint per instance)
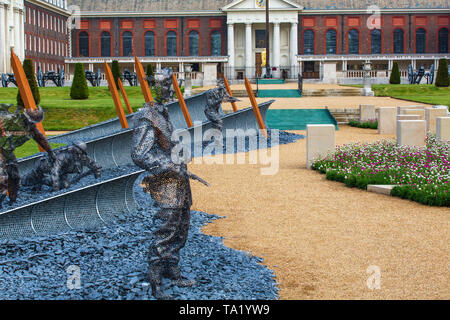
(16, 129)
(167, 183)
(57, 174)
(214, 99)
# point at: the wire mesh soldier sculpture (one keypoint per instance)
(167, 183)
(214, 99)
(57, 174)
(16, 129)
(3, 183)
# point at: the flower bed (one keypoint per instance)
(370, 124)
(421, 173)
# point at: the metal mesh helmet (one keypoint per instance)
(34, 116)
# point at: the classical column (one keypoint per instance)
(248, 51)
(3, 32)
(22, 34)
(231, 54)
(293, 46)
(276, 49)
(16, 31)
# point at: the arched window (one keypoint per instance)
(216, 43)
(83, 44)
(171, 43)
(399, 42)
(308, 42)
(193, 43)
(421, 41)
(127, 44)
(331, 41)
(443, 40)
(353, 41)
(149, 43)
(375, 41)
(105, 44)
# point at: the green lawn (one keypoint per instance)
(422, 93)
(31, 148)
(62, 113)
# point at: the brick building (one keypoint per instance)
(35, 29)
(46, 34)
(322, 39)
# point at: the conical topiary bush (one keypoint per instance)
(29, 72)
(79, 89)
(115, 69)
(442, 74)
(395, 74)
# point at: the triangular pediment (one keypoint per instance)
(241, 5)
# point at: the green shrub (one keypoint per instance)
(29, 72)
(370, 124)
(115, 69)
(149, 71)
(79, 89)
(395, 74)
(442, 74)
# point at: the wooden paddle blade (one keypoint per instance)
(227, 86)
(143, 83)
(24, 89)
(125, 97)
(259, 119)
(116, 98)
(181, 101)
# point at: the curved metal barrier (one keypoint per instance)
(115, 150)
(195, 106)
(87, 207)
(98, 203)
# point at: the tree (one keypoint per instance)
(115, 69)
(442, 74)
(395, 74)
(29, 72)
(149, 71)
(79, 89)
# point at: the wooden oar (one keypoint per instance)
(143, 83)
(181, 101)
(227, 86)
(24, 89)
(259, 119)
(116, 98)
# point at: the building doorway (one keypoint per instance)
(258, 64)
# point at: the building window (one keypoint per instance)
(443, 41)
(260, 39)
(216, 43)
(149, 43)
(399, 41)
(193, 43)
(308, 42)
(375, 41)
(353, 41)
(421, 40)
(171, 43)
(127, 44)
(331, 41)
(83, 44)
(105, 44)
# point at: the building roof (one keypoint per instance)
(215, 5)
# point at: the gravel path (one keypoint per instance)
(321, 237)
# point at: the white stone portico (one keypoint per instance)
(247, 17)
(11, 32)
